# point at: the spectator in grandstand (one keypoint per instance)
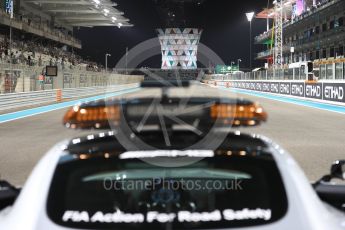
(3, 57)
(22, 58)
(17, 55)
(33, 53)
(63, 63)
(29, 60)
(12, 60)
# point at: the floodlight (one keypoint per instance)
(250, 16)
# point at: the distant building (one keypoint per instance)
(179, 47)
(179, 36)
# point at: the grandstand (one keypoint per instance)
(313, 30)
(43, 30)
(39, 33)
(42, 53)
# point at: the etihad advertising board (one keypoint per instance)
(334, 92)
(313, 90)
(297, 89)
(324, 91)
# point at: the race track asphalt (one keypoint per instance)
(314, 137)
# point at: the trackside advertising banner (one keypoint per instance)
(333, 91)
(321, 90)
(297, 89)
(313, 90)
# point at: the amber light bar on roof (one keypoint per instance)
(91, 117)
(234, 114)
(223, 114)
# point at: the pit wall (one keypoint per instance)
(326, 91)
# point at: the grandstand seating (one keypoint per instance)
(33, 54)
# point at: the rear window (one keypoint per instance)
(218, 192)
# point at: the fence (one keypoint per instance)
(16, 100)
(323, 70)
(23, 78)
(283, 74)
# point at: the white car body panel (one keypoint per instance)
(305, 210)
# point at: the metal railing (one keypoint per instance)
(282, 74)
(28, 99)
(325, 69)
(265, 53)
(23, 78)
(313, 11)
(268, 34)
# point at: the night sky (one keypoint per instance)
(226, 30)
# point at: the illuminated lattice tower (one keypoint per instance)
(179, 47)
